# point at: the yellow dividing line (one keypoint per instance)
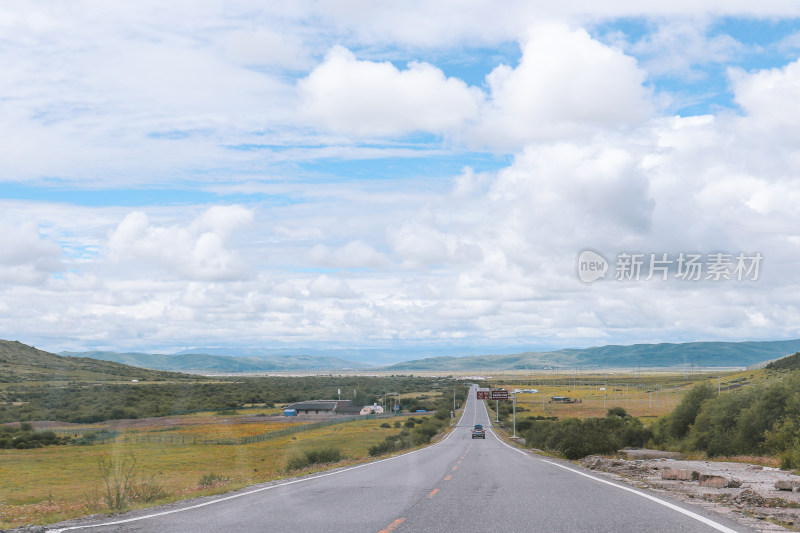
(393, 525)
(432, 493)
(447, 478)
(455, 468)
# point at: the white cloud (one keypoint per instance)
(196, 251)
(354, 254)
(768, 97)
(566, 84)
(25, 255)
(152, 93)
(327, 287)
(689, 45)
(266, 47)
(346, 95)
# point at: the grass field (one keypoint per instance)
(645, 395)
(45, 485)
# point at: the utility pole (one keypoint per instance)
(515, 414)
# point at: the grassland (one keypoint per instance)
(55, 483)
(646, 395)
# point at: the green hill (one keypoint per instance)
(706, 354)
(222, 363)
(20, 362)
(790, 362)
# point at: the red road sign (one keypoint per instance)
(499, 394)
(483, 394)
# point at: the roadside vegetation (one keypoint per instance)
(753, 414)
(575, 438)
(762, 419)
(322, 456)
(25, 437)
(417, 431)
(125, 464)
(87, 403)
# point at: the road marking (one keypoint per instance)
(249, 492)
(432, 493)
(690, 514)
(447, 478)
(393, 525)
(458, 462)
(455, 468)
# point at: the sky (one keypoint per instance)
(427, 177)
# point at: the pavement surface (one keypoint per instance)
(457, 484)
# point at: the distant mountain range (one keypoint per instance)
(22, 363)
(704, 354)
(707, 354)
(185, 362)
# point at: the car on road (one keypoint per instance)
(478, 432)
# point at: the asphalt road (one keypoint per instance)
(458, 484)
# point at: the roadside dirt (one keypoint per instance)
(763, 498)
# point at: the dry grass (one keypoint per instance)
(595, 404)
(45, 485)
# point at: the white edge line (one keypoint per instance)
(699, 518)
(239, 495)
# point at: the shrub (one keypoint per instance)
(313, 457)
(576, 438)
(212, 480)
(385, 425)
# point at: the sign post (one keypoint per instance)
(515, 415)
(497, 395)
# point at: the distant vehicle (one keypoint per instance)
(421, 411)
(290, 412)
(478, 432)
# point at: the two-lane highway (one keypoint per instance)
(458, 484)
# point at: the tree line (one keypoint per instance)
(97, 402)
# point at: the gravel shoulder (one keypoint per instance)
(763, 498)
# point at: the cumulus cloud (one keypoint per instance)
(566, 84)
(346, 95)
(25, 255)
(581, 157)
(327, 287)
(266, 47)
(198, 250)
(767, 96)
(354, 254)
(689, 44)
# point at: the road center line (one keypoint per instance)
(432, 493)
(447, 478)
(393, 525)
(690, 514)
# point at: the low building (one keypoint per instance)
(326, 407)
(373, 409)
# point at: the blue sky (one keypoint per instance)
(413, 176)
